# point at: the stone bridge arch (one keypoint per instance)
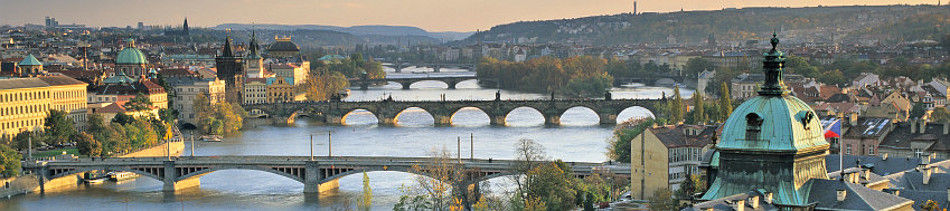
(150, 172)
(296, 173)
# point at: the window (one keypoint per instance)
(753, 126)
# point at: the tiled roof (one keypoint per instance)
(20, 83)
(675, 136)
(824, 193)
(60, 80)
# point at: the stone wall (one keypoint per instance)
(176, 149)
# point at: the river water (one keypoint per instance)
(580, 138)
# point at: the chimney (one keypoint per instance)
(884, 156)
(754, 201)
(867, 174)
(913, 126)
(927, 175)
(946, 128)
(740, 205)
(842, 194)
(768, 197)
(923, 126)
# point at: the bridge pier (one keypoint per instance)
(607, 118)
(312, 178)
(388, 120)
(405, 86)
(552, 120)
(442, 120)
(498, 120)
(437, 69)
(452, 84)
(171, 176)
(333, 119)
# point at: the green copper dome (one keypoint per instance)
(786, 124)
(130, 54)
(30, 61)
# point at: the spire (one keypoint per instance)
(773, 67)
(227, 51)
(254, 47)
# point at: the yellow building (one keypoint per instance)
(25, 102)
(280, 90)
(69, 95)
(255, 90)
(664, 157)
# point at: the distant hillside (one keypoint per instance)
(816, 24)
(383, 30)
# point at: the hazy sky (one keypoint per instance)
(432, 15)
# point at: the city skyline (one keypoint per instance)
(430, 15)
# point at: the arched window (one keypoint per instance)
(753, 126)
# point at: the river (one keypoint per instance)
(580, 138)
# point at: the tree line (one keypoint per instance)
(329, 79)
(540, 184)
(583, 76)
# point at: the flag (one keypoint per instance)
(832, 128)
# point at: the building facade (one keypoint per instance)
(231, 70)
(187, 89)
(668, 156)
(26, 102)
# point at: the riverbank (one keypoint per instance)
(25, 184)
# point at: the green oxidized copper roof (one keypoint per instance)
(131, 55)
(783, 128)
(30, 61)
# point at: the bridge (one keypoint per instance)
(451, 81)
(436, 66)
(388, 111)
(318, 174)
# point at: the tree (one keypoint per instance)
(687, 188)
(87, 145)
(940, 114)
(588, 202)
(58, 128)
(366, 201)
(434, 191)
(139, 103)
(931, 205)
(662, 200)
(677, 107)
(9, 161)
(918, 111)
(619, 148)
(696, 65)
(326, 84)
(123, 118)
(699, 114)
(725, 102)
(21, 140)
(168, 115)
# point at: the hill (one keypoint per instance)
(813, 24)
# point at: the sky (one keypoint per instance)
(431, 15)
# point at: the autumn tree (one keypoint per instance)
(139, 103)
(87, 145)
(725, 102)
(698, 113)
(58, 128)
(435, 190)
(677, 107)
(365, 202)
(324, 85)
(9, 161)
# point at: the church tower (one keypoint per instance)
(255, 63)
(772, 142)
(184, 27)
(231, 69)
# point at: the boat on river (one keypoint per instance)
(122, 176)
(211, 138)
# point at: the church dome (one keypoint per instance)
(131, 55)
(283, 44)
(778, 124)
